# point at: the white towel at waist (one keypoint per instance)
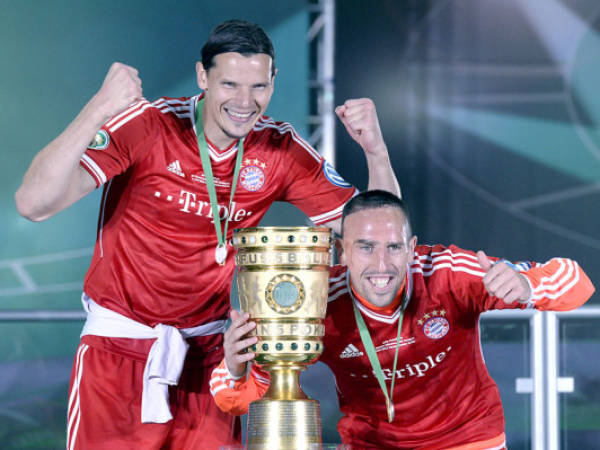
(165, 359)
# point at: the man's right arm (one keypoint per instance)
(231, 389)
(55, 180)
(234, 395)
(557, 285)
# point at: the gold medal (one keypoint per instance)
(221, 254)
(390, 409)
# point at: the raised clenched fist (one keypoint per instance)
(121, 87)
(360, 119)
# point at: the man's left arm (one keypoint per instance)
(557, 285)
(360, 120)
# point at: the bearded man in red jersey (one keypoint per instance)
(402, 333)
(175, 172)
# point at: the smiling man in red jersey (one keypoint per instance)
(402, 334)
(240, 90)
(176, 172)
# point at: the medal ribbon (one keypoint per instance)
(372, 354)
(208, 175)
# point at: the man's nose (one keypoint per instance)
(383, 259)
(244, 96)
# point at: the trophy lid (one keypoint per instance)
(296, 237)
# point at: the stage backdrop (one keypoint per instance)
(491, 113)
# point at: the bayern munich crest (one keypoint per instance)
(436, 328)
(252, 178)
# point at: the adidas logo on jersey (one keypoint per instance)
(351, 352)
(175, 167)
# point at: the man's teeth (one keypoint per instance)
(380, 281)
(239, 115)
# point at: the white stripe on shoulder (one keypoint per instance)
(264, 120)
(132, 108)
(427, 273)
(285, 127)
(333, 292)
(452, 260)
(130, 116)
(333, 280)
(178, 101)
(328, 216)
(337, 285)
(456, 262)
(338, 294)
(448, 254)
(161, 104)
(181, 108)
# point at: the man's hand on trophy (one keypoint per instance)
(237, 342)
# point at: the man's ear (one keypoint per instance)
(201, 76)
(412, 244)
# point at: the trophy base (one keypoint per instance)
(284, 424)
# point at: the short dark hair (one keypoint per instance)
(237, 36)
(372, 200)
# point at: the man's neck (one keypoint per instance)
(229, 142)
(387, 309)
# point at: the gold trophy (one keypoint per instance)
(283, 283)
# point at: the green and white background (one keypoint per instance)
(490, 109)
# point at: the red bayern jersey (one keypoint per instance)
(443, 394)
(154, 256)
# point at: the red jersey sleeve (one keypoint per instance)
(312, 184)
(118, 143)
(559, 285)
(234, 395)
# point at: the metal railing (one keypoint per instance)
(545, 384)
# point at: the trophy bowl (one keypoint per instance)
(283, 283)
